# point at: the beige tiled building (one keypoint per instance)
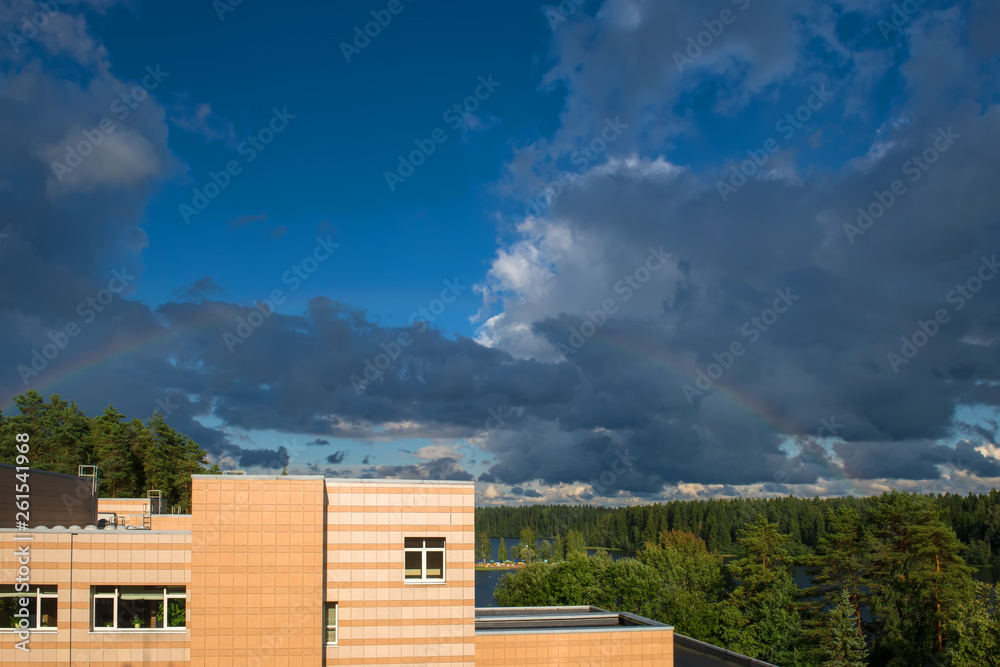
(290, 571)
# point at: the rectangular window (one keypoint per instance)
(43, 607)
(138, 607)
(330, 614)
(423, 559)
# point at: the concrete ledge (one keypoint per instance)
(710, 649)
(530, 620)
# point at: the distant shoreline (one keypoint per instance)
(499, 566)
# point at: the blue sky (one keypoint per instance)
(352, 120)
(648, 173)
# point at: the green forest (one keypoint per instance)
(974, 518)
(132, 456)
(892, 585)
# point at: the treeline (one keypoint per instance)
(718, 522)
(891, 590)
(132, 456)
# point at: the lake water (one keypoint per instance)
(486, 581)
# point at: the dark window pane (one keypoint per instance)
(8, 607)
(49, 607)
(176, 612)
(435, 565)
(104, 589)
(413, 542)
(413, 564)
(104, 613)
(435, 542)
(138, 614)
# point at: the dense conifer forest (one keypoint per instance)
(132, 455)
(974, 518)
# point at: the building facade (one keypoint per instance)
(283, 571)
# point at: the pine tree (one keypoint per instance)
(843, 645)
(559, 549)
(112, 450)
(770, 627)
(919, 580)
(845, 562)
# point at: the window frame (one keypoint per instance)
(37, 593)
(115, 596)
(327, 627)
(423, 550)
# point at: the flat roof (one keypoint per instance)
(351, 480)
(519, 620)
(39, 471)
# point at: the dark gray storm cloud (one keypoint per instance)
(638, 405)
(264, 458)
(445, 468)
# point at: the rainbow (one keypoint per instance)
(647, 352)
(117, 350)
